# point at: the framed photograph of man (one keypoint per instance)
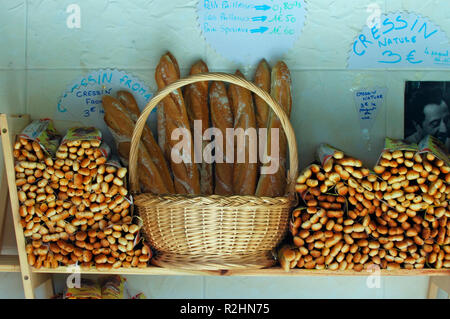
(427, 111)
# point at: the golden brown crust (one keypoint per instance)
(281, 86)
(121, 126)
(162, 82)
(130, 105)
(262, 80)
(175, 63)
(196, 99)
(245, 173)
(186, 176)
(273, 185)
(128, 101)
(221, 118)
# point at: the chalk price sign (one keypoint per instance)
(247, 30)
(82, 100)
(400, 40)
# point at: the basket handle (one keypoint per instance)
(211, 76)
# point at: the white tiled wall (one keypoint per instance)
(40, 56)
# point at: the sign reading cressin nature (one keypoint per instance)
(246, 31)
(400, 40)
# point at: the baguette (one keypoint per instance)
(121, 127)
(128, 101)
(273, 185)
(130, 105)
(221, 118)
(262, 80)
(245, 172)
(160, 114)
(280, 88)
(196, 99)
(186, 176)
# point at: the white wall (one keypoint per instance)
(40, 56)
(196, 287)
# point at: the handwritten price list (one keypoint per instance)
(246, 31)
(368, 102)
(401, 40)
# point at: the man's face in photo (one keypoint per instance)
(436, 121)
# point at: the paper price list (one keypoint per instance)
(271, 17)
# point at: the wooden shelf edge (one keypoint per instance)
(9, 263)
(275, 271)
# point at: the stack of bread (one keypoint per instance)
(395, 217)
(73, 202)
(204, 104)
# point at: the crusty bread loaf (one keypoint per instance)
(273, 185)
(130, 105)
(121, 127)
(221, 119)
(161, 120)
(174, 62)
(186, 176)
(280, 87)
(196, 99)
(129, 102)
(262, 80)
(262, 110)
(245, 172)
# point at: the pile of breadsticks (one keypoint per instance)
(395, 217)
(73, 204)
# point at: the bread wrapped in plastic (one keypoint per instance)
(113, 287)
(38, 140)
(88, 289)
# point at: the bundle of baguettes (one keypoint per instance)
(120, 118)
(222, 118)
(274, 184)
(245, 169)
(175, 119)
(187, 158)
(196, 98)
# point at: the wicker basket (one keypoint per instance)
(213, 232)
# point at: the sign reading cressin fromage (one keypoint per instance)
(246, 31)
(82, 99)
(400, 40)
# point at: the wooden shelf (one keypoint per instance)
(275, 271)
(9, 264)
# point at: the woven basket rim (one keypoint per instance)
(235, 201)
